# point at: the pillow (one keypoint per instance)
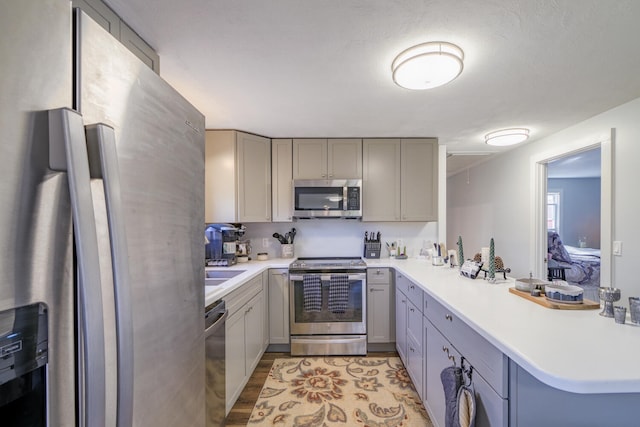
(556, 248)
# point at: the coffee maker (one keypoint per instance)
(222, 247)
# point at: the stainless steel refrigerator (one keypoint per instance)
(101, 222)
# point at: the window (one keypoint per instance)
(553, 211)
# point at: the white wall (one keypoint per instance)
(493, 199)
(338, 237)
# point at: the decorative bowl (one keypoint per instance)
(564, 293)
(525, 284)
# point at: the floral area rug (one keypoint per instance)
(339, 391)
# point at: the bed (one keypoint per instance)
(582, 265)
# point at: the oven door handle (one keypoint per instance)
(327, 277)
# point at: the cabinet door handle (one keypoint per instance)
(451, 357)
(411, 310)
(412, 287)
(375, 290)
(448, 317)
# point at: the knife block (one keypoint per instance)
(372, 250)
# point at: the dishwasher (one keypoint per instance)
(215, 317)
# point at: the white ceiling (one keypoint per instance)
(291, 68)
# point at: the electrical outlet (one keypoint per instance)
(265, 242)
(617, 248)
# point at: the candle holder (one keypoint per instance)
(609, 295)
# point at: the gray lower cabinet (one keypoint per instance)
(279, 306)
(401, 323)
(491, 409)
(381, 325)
(447, 339)
(409, 336)
(528, 395)
(244, 336)
(430, 338)
(437, 353)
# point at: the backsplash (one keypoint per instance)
(339, 237)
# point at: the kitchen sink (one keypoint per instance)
(218, 277)
(223, 274)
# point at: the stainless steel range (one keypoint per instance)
(328, 306)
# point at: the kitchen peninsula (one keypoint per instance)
(571, 366)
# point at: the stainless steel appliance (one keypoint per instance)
(125, 339)
(328, 306)
(222, 247)
(327, 198)
(24, 353)
(215, 319)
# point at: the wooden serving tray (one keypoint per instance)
(586, 304)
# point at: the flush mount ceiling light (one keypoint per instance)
(506, 137)
(427, 65)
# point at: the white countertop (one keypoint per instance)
(251, 269)
(573, 350)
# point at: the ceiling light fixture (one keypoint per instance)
(506, 137)
(427, 65)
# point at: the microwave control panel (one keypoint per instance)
(353, 198)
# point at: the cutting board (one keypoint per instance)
(586, 304)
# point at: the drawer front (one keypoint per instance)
(380, 276)
(238, 298)
(487, 360)
(415, 295)
(414, 322)
(410, 289)
(402, 283)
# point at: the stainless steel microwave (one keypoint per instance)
(327, 198)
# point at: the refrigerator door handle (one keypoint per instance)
(68, 153)
(103, 164)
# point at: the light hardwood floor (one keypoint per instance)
(241, 411)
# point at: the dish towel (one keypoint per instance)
(312, 292)
(451, 378)
(338, 293)
(465, 412)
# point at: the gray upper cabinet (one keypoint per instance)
(139, 47)
(281, 180)
(101, 13)
(400, 179)
(327, 158)
(110, 21)
(237, 177)
(419, 179)
(381, 180)
(344, 158)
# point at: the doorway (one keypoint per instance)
(540, 188)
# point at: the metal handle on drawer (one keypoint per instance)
(411, 310)
(448, 317)
(375, 290)
(412, 287)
